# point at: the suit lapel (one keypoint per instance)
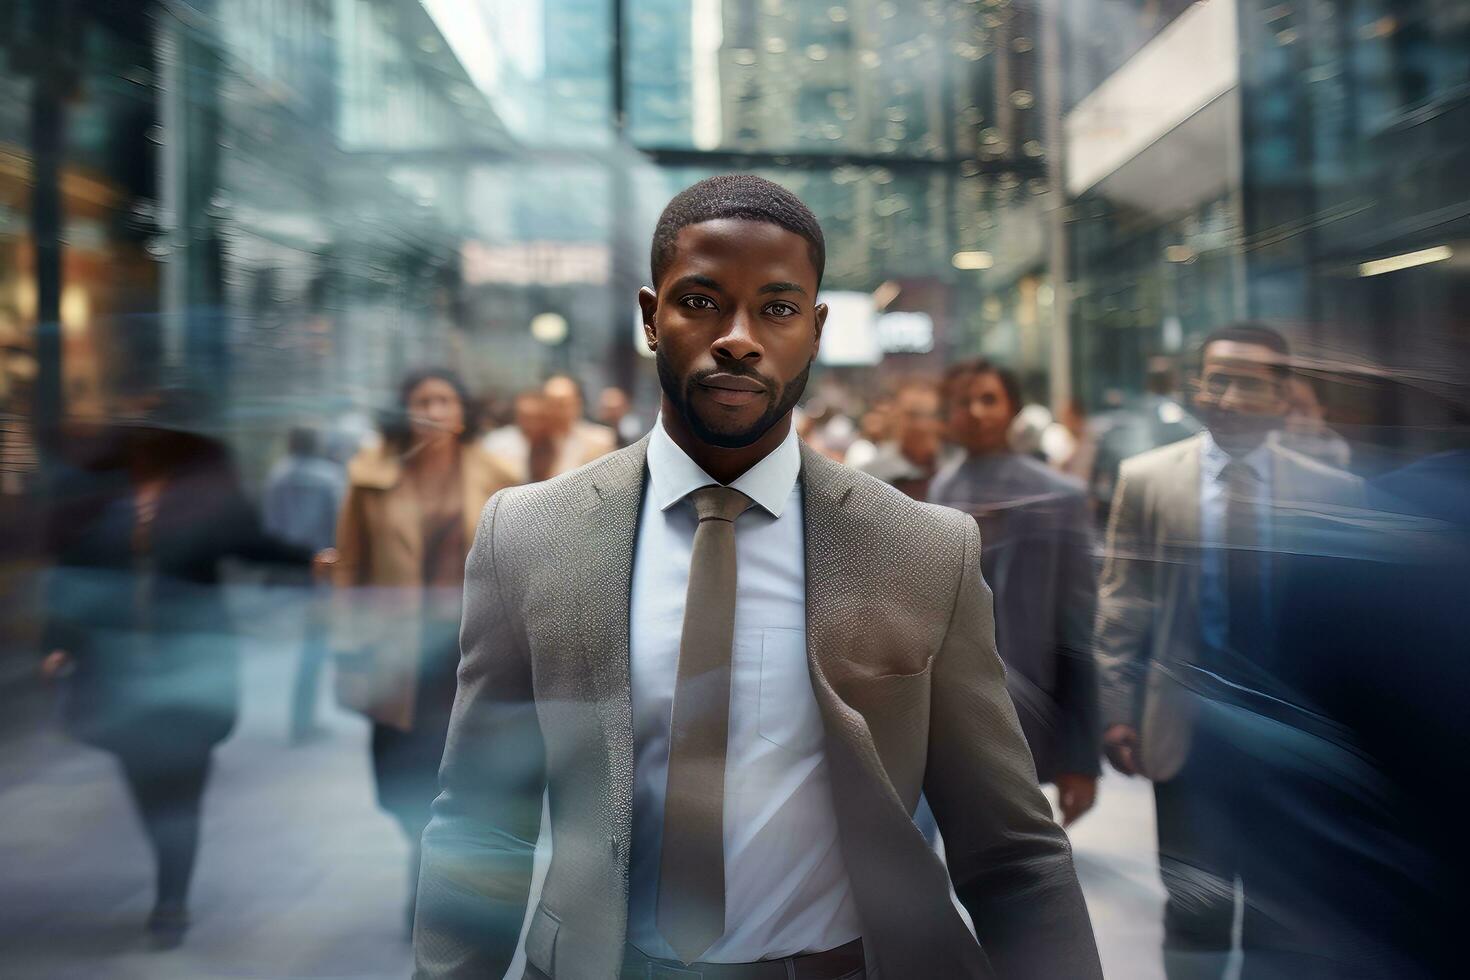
(1184, 521)
(825, 487)
(603, 591)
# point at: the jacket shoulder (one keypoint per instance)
(904, 526)
(375, 467)
(572, 493)
(1159, 462)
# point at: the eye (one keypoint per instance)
(695, 301)
(782, 309)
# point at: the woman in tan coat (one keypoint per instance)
(406, 526)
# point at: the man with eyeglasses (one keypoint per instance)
(1196, 694)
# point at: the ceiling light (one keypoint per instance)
(1406, 261)
(973, 260)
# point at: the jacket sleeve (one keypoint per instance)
(1010, 863)
(1124, 607)
(1079, 746)
(352, 542)
(479, 846)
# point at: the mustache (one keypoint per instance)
(700, 377)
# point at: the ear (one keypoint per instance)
(648, 305)
(821, 320)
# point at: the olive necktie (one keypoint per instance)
(691, 880)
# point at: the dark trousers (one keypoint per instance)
(167, 788)
(1288, 816)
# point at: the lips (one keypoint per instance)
(732, 382)
(732, 390)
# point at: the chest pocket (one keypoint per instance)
(789, 716)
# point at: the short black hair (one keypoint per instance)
(1247, 332)
(742, 196)
(303, 441)
(976, 366)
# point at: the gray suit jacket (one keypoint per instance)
(912, 696)
(1148, 628)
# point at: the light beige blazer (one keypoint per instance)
(1148, 628)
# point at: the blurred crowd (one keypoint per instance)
(1189, 586)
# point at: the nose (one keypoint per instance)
(737, 343)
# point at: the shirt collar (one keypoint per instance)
(1213, 459)
(673, 475)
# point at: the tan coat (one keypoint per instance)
(901, 655)
(379, 577)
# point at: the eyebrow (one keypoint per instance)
(782, 287)
(697, 280)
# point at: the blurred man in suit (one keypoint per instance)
(1190, 666)
(1038, 559)
(579, 440)
(910, 458)
(735, 665)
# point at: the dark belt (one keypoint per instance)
(831, 964)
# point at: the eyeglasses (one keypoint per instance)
(1217, 383)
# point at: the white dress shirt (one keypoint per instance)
(786, 888)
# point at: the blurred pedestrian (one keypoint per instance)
(909, 459)
(578, 440)
(1130, 427)
(1075, 443)
(1195, 688)
(873, 430)
(1306, 430)
(1037, 558)
(527, 448)
(138, 626)
(615, 411)
(407, 524)
(303, 496)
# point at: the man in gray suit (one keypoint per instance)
(734, 665)
(1196, 694)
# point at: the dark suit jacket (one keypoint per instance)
(902, 659)
(1038, 559)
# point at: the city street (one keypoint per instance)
(300, 875)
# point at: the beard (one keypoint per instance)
(782, 399)
(1237, 432)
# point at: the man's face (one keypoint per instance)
(533, 417)
(734, 326)
(564, 403)
(981, 413)
(1242, 394)
(916, 424)
(612, 405)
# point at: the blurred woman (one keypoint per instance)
(412, 506)
(137, 623)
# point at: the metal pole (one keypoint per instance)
(1051, 98)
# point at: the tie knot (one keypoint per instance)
(719, 503)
